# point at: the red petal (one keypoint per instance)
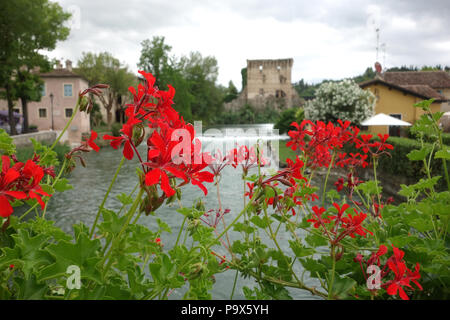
(177, 173)
(128, 150)
(16, 194)
(5, 208)
(165, 186)
(152, 177)
(153, 153)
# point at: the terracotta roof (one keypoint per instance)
(421, 91)
(58, 73)
(434, 79)
(425, 91)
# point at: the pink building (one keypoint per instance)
(59, 97)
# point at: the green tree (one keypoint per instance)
(201, 74)
(193, 77)
(104, 68)
(155, 59)
(231, 92)
(244, 78)
(26, 28)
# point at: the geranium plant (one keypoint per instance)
(289, 228)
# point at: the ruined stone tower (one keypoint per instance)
(268, 84)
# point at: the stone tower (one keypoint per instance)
(268, 85)
(270, 80)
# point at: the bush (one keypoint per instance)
(399, 164)
(340, 100)
(25, 153)
(115, 129)
(287, 117)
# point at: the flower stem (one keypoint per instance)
(125, 225)
(326, 179)
(330, 284)
(106, 197)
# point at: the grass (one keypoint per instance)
(285, 152)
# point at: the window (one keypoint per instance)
(260, 68)
(16, 110)
(43, 90)
(42, 113)
(67, 90)
(69, 112)
(261, 92)
(394, 131)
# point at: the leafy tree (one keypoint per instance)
(287, 117)
(193, 77)
(244, 78)
(340, 100)
(369, 74)
(26, 28)
(231, 92)
(104, 68)
(155, 59)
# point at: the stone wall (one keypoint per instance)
(23, 140)
(269, 84)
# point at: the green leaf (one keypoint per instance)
(83, 253)
(7, 146)
(125, 199)
(263, 222)
(342, 286)
(30, 289)
(27, 253)
(315, 240)
(419, 155)
(299, 250)
(48, 188)
(163, 226)
(62, 185)
(443, 154)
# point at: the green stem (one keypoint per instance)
(117, 239)
(234, 284)
(375, 164)
(326, 179)
(181, 230)
(77, 107)
(106, 197)
(330, 284)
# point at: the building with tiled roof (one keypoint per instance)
(397, 92)
(59, 98)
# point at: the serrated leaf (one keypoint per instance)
(263, 222)
(82, 253)
(163, 226)
(300, 250)
(62, 185)
(125, 199)
(443, 154)
(418, 155)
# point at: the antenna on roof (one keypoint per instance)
(377, 30)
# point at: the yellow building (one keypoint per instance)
(398, 101)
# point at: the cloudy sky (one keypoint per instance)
(326, 38)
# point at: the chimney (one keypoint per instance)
(69, 65)
(58, 64)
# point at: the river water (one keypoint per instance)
(90, 185)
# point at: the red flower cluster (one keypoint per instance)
(322, 139)
(20, 181)
(343, 226)
(375, 148)
(170, 137)
(402, 276)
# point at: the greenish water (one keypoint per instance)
(90, 185)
